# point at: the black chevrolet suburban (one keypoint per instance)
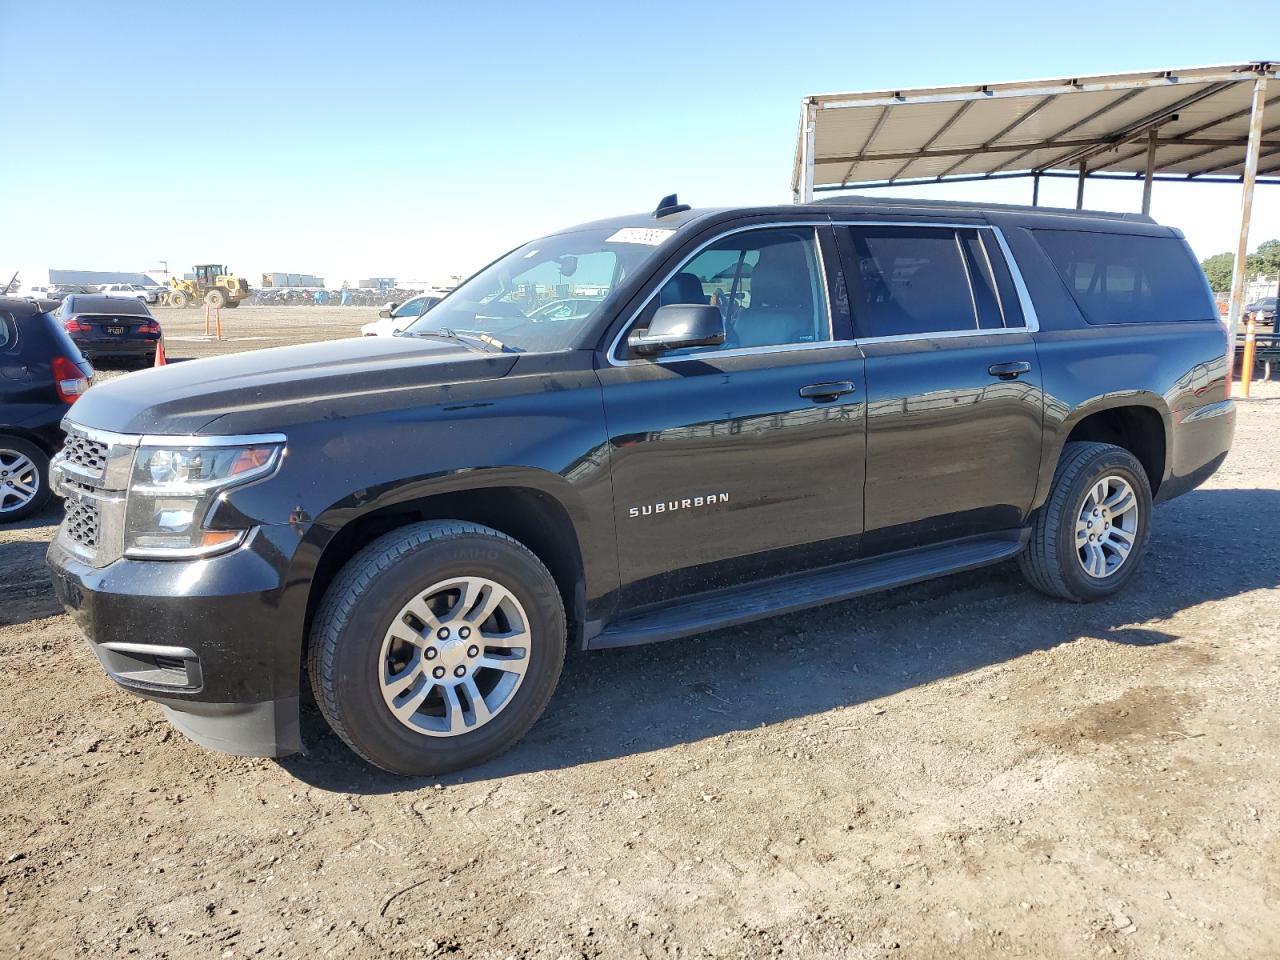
(765, 410)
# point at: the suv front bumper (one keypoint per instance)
(217, 642)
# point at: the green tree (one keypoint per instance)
(1266, 259)
(1218, 269)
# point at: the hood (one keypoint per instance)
(264, 389)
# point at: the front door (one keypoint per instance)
(729, 462)
(955, 406)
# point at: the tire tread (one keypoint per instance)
(355, 577)
(1039, 561)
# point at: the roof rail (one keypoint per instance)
(903, 202)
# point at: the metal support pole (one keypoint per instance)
(1080, 186)
(1035, 189)
(1246, 206)
(809, 120)
(1153, 136)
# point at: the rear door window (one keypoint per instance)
(910, 281)
(8, 333)
(1122, 278)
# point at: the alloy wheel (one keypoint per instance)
(19, 480)
(454, 656)
(1107, 527)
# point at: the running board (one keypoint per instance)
(786, 594)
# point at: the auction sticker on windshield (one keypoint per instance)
(651, 236)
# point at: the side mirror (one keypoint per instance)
(388, 309)
(679, 325)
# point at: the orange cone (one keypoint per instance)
(160, 360)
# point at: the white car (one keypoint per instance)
(135, 290)
(395, 317)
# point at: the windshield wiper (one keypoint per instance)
(465, 337)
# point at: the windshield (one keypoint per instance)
(540, 296)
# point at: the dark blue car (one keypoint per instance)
(110, 328)
(41, 374)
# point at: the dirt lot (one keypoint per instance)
(957, 769)
(253, 328)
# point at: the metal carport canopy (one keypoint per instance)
(1198, 124)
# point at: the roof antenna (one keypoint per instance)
(668, 205)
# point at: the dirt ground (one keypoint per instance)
(957, 769)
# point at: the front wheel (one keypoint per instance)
(436, 647)
(1089, 538)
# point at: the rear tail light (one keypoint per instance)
(151, 326)
(75, 326)
(69, 379)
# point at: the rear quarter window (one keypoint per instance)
(8, 333)
(1122, 278)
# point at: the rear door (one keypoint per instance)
(955, 405)
(742, 461)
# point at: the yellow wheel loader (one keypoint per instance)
(214, 284)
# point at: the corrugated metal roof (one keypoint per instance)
(1201, 115)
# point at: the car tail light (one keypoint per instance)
(69, 379)
(75, 326)
(150, 326)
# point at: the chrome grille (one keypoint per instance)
(89, 455)
(82, 523)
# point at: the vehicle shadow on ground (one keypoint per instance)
(1208, 545)
(26, 592)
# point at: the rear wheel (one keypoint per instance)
(232, 303)
(437, 647)
(1089, 538)
(216, 297)
(24, 478)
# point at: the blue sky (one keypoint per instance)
(420, 139)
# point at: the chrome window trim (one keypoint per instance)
(1031, 320)
(995, 284)
(968, 279)
(612, 354)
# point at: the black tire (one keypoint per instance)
(231, 304)
(40, 461)
(178, 299)
(1050, 562)
(216, 298)
(343, 659)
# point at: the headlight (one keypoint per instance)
(174, 487)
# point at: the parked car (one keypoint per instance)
(52, 291)
(395, 317)
(110, 328)
(41, 374)
(1264, 309)
(135, 290)
(773, 408)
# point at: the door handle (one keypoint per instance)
(826, 391)
(1009, 371)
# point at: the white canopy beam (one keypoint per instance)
(1246, 203)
